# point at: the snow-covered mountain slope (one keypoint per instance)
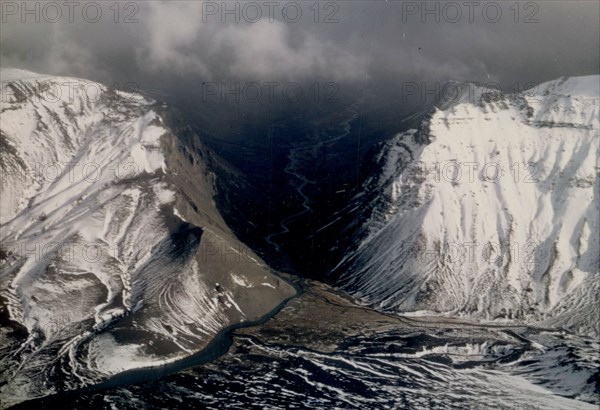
(113, 254)
(490, 209)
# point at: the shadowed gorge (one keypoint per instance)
(297, 177)
(362, 204)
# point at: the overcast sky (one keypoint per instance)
(178, 45)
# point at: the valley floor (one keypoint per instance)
(323, 350)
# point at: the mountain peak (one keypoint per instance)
(15, 74)
(587, 87)
(491, 215)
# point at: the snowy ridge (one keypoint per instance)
(491, 210)
(99, 273)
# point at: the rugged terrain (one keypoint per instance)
(467, 254)
(490, 210)
(114, 256)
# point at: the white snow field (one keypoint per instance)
(490, 210)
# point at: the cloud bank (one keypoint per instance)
(170, 45)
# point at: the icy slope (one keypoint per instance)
(113, 255)
(490, 210)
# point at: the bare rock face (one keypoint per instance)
(113, 254)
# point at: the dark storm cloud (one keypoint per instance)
(362, 44)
